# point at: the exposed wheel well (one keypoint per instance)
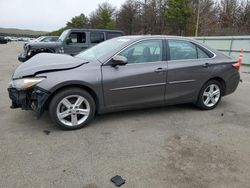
(222, 82)
(89, 90)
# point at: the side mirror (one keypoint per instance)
(119, 60)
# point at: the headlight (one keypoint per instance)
(25, 83)
(61, 50)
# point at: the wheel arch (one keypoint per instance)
(63, 86)
(221, 81)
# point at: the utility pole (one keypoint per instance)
(198, 19)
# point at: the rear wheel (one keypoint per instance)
(210, 95)
(72, 108)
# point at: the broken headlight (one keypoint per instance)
(25, 83)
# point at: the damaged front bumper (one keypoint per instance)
(22, 57)
(30, 99)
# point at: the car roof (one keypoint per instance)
(139, 37)
(142, 37)
(104, 30)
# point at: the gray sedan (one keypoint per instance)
(123, 73)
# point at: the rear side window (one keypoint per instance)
(181, 50)
(201, 54)
(111, 35)
(96, 37)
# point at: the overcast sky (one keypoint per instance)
(45, 15)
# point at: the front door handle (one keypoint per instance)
(206, 65)
(160, 69)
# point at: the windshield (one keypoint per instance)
(63, 36)
(39, 38)
(102, 49)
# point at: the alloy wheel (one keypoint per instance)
(211, 95)
(73, 110)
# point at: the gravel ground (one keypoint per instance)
(174, 146)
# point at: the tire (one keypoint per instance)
(72, 108)
(207, 100)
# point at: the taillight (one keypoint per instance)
(239, 62)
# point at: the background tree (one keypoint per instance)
(179, 17)
(230, 10)
(208, 17)
(128, 17)
(177, 14)
(245, 16)
(80, 21)
(103, 17)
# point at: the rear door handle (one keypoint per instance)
(206, 65)
(160, 69)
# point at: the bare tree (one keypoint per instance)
(188, 17)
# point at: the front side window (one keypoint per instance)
(77, 37)
(181, 50)
(144, 51)
(96, 37)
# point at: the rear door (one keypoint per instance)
(141, 81)
(189, 66)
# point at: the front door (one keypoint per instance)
(141, 81)
(75, 43)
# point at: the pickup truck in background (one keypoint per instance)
(71, 41)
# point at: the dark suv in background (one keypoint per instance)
(71, 41)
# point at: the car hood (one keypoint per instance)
(46, 62)
(44, 44)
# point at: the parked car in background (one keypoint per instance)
(3, 40)
(71, 41)
(24, 39)
(123, 73)
(46, 39)
(8, 38)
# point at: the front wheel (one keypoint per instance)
(210, 95)
(72, 108)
